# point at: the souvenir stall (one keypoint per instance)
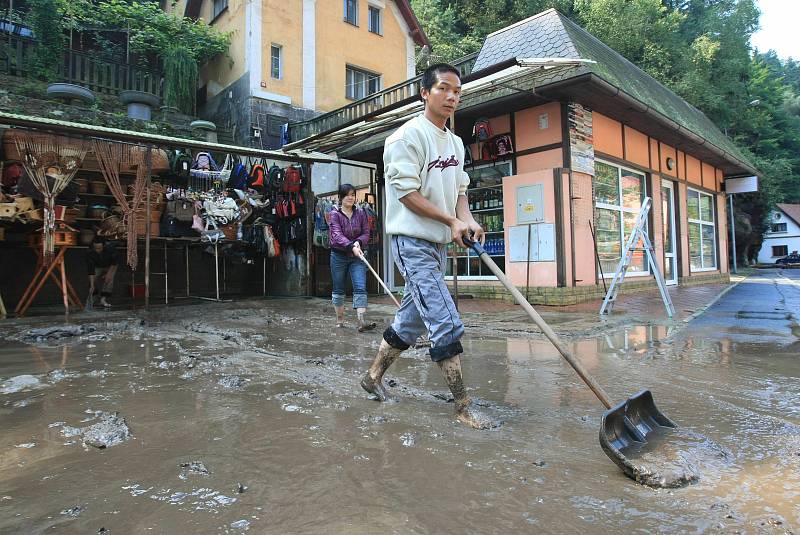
(166, 202)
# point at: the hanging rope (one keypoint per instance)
(112, 156)
(51, 162)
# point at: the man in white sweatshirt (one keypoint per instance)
(426, 208)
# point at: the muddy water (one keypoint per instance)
(249, 416)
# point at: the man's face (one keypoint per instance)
(443, 98)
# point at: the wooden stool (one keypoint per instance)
(43, 273)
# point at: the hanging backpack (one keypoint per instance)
(180, 163)
(292, 179)
(258, 177)
(482, 130)
(239, 177)
(276, 176)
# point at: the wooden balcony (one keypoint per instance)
(79, 68)
(374, 104)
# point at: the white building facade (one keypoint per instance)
(783, 236)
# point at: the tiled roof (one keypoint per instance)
(792, 210)
(551, 34)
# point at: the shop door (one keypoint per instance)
(668, 228)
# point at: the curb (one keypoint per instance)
(711, 303)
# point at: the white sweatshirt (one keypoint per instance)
(421, 157)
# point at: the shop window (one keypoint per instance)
(375, 25)
(276, 61)
(702, 231)
(351, 12)
(485, 200)
(618, 195)
(360, 84)
(778, 227)
(780, 250)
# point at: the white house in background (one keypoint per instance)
(783, 235)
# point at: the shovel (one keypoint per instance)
(625, 427)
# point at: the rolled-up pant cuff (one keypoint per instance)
(393, 340)
(359, 300)
(446, 352)
(338, 300)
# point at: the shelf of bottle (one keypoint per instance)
(476, 256)
(498, 209)
(494, 231)
(496, 186)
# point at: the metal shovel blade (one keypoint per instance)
(626, 428)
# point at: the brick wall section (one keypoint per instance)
(545, 295)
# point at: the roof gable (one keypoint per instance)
(551, 34)
(791, 210)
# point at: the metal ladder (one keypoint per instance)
(638, 233)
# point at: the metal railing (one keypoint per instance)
(79, 68)
(384, 100)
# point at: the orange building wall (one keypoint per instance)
(681, 165)
(541, 273)
(585, 265)
(668, 152)
(720, 179)
(654, 155)
(549, 159)
(709, 177)
(636, 148)
(527, 133)
(607, 135)
(722, 225)
(693, 170)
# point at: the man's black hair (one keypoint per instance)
(429, 76)
(344, 189)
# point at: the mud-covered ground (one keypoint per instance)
(224, 418)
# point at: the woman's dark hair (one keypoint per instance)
(344, 189)
(430, 74)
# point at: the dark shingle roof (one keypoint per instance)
(551, 34)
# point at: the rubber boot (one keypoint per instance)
(363, 324)
(465, 413)
(373, 379)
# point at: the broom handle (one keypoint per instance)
(537, 319)
(363, 259)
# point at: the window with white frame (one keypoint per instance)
(618, 194)
(375, 25)
(360, 84)
(778, 227)
(276, 61)
(351, 12)
(219, 7)
(702, 231)
(780, 250)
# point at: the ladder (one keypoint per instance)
(637, 234)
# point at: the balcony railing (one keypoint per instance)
(380, 102)
(79, 68)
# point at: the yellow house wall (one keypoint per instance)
(223, 70)
(282, 24)
(340, 44)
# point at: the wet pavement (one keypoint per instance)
(248, 416)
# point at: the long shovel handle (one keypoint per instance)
(537, 319)
(388, 291)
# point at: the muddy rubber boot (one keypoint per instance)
(465, 412)
(363, 324)
(373, 379)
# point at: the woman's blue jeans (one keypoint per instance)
(341, 264)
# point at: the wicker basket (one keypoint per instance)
(97, 212)
(141, 229)
(98, 187)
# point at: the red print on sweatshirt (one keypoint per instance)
(439, 163)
